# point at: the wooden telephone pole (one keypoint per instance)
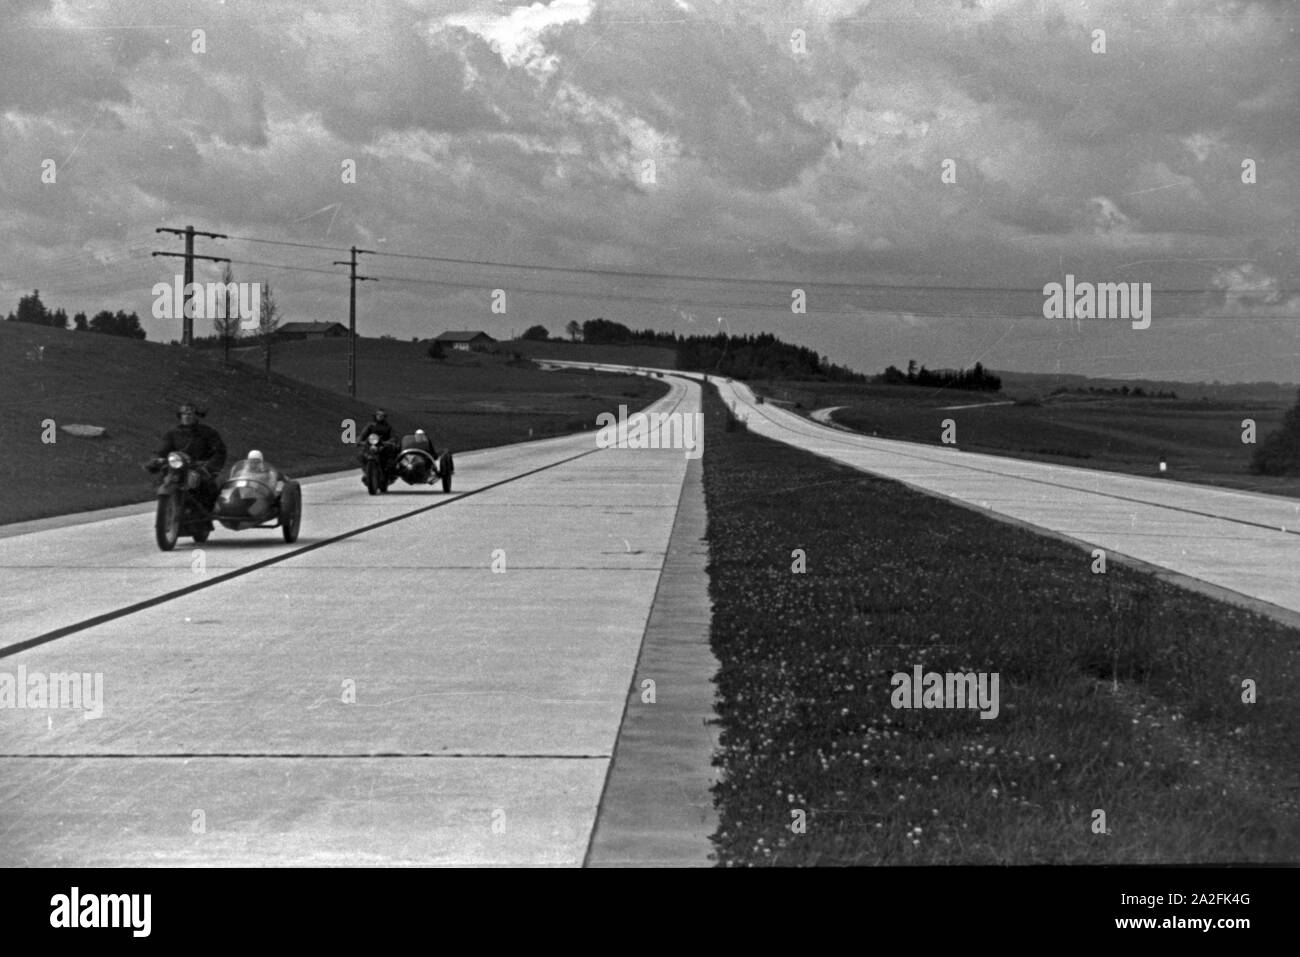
(189, 232)
(352, 316)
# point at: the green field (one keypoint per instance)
(1199, 438)
(1118, 692)
(464, 393)
(633, 355)
(131, 388)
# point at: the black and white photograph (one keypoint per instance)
(650, 435)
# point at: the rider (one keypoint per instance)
(255, 464)
(257, 469)
(202, 444)
(420, 440)
(380, 426)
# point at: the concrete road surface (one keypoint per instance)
(1236, 546)
(1227, 543)
(420, 679)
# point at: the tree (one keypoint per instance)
(117, 324)
(79, 322)
(31, 309)
(573, 329)
(604, 331)
(104, 321)
(1279, 453)
(270, 321)
(911, 369)
(58, 318)
(536, 334)
(227, 320)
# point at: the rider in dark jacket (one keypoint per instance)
(381, 427)
(201, 443)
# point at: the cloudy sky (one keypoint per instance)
(919, 168)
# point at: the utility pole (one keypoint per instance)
(352, 316)
(189, 232)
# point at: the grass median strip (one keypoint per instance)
(904, 681)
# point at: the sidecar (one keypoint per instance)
(256, 495)
(418, 464)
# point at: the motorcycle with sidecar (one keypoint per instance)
(414, 461)
(254, 495)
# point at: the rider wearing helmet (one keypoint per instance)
(252, 488)
(255, 464)
(420, 440)
(201, 443)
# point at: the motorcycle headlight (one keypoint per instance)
(374, 440)
(174, 460)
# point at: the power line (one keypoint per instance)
(642, 275)
(675, 299)
(282, 242)
(252, 262)
(679, 277)
(677, 302)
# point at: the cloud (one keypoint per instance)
(1247, 290)
(821, 164)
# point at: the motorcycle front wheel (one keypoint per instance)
(167, 523)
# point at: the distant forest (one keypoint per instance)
(763, 356)
(973, 380)
(32, 310)
(1123, 390)
(1279, 453)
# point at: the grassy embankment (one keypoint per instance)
(131, 388)
(631, 355)
(1198, 435)
(1117, 692)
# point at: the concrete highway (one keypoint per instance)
(1234, 545)
(420, 679)
(378, 693)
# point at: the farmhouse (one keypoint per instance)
(312, 330)
(466, 341)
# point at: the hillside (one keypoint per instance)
(131, 387)
(632, 355)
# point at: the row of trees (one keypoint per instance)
(763, 356)
(1136, 391)
(977, 379)
(31, 310)
(227, 328)
(1279, 453)
(539, 333)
